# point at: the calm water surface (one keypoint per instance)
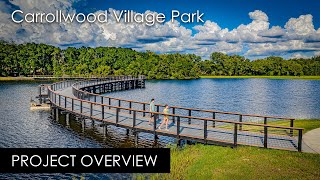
(20, 127)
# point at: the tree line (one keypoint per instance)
(41, 59)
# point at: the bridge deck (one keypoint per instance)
(187, 131)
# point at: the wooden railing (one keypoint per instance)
(85, 107)
(78, 89)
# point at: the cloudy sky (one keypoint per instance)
(252, 28)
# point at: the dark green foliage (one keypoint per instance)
(234, 65)
(41, 59)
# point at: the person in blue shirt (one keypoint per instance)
(152, 109)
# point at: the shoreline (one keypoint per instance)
(200, 77)
(263, 77)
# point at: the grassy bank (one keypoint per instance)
(16, 79)
(217, 162)
(268, 77)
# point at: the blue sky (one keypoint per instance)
(227, 13)
(251, 28)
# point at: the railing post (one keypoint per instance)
(154, 125)
(214, 117)
(178, 127)
(130, 106)
(173, 112)
(240, 120)
(134, 119)
(299, 140)
(265, 120)
(291, 125)
(65, 102)
(235, 135)
(117, 115)
(205, 133)
(101, 99)
(72, 104)
(119, 103)
(189, 119)
(95, 98)
(59, 100)
(265, 139)
(144, 108)
(109, 103)
(158, 108)
(91, 110)
(80, 106)
(102, 112)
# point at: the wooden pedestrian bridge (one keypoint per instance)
(83, 99)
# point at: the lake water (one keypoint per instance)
(298, 99)
(20, 127)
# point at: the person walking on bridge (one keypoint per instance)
(165, 118)
(152, 109)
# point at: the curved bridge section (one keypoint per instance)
(83, 99)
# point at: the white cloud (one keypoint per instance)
(300, 26)
(253, 39)
(258, 16)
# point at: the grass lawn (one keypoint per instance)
(269, 77)
(216, 162)
(244, 162)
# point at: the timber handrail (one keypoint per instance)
(179, 107)
(61, 85)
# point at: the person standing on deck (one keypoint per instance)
(165, 118)
(152, 109)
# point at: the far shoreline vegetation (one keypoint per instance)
(20, 61)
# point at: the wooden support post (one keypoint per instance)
(91, 110)
(144, 108)
(235, 135)
(83, 122)
(158, 108)
(205, 133)
(240, 120)
(65, 102)
(57, 114)
(178, 127)
(68, 119)
(95, 98)
(265, 139)
(72, 104)
(265, 120)
(299, 140)
(59, 100)
(291, 125)
(130, 106)
(119, 103)
(101, 99)
(117, 116)
(134, 119)
(214, 117)
(173, 112)
(127, 133)
(109, 103)
(154, 126)
(189, 119)
(81, 107)
(102, 112)
(105, 130)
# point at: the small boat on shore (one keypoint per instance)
(38, 106)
